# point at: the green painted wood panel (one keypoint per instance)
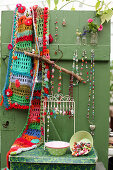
(67, 43)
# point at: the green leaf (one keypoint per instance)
(106, 16)
(49, 3)
(109, 14)
(103, 18)
(73, 8)
(56, 3)
(97, 5)
(62, 0)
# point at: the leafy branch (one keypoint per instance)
(103, 11)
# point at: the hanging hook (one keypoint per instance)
(60, 51)
(5, 125)
(5, 57)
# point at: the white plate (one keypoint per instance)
(57, 144)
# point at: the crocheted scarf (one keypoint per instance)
(27, 79)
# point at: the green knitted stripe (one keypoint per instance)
(38, 86)
(19, 99)
(25, 45)
(40, 27)
(34, 125)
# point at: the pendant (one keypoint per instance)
(64, 22)
(80, 73)
(92, 128)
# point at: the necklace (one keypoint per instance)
(84, 60)
(56, 29)
(91, 94)
(52, 79)
(59, 78)
(75, 65)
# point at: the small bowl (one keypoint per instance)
(81, 136)
(57, 148)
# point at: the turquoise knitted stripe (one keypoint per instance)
(22, 65)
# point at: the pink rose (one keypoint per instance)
(100, 28)
(90, 20)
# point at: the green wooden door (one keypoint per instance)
(63, 126)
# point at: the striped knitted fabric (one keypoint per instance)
(17, 90)
(32, 134)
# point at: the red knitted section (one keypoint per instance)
(19, 143)
(17, 106)
(25, 38)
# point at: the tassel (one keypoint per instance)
(2, 101)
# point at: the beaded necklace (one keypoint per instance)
(75, 65)
(91, 94)
(56, 29)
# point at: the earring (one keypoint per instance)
(64, 22)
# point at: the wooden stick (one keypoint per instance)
(55, 65)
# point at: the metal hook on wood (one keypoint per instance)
(5, 57)
(60, 51)
(5, 125)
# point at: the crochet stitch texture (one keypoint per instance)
(27, 80)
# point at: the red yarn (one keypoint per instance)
(2, 101)
(51, 113)
(44, 47)
(35, 7)
(50, 38)
(18, 5)
(45, 15)
(45, 113)
(25, 38)
(48, 74)
(44, 43)
(17, 83)
(45, 25)
(28, 22)
(17, 106)
(37, 93)
(21, 9)
(24, 143)
(8, 92)
(10, 46)
(46, 90)
(45, 29)
(31, 72)
(45, 21)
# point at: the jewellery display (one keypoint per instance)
(53, 97)
(90, 116)
(56, 29)
(71, 111)
(75, 65)
(84, 60)
(52, 78)
(58, 51)
(59, 78)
